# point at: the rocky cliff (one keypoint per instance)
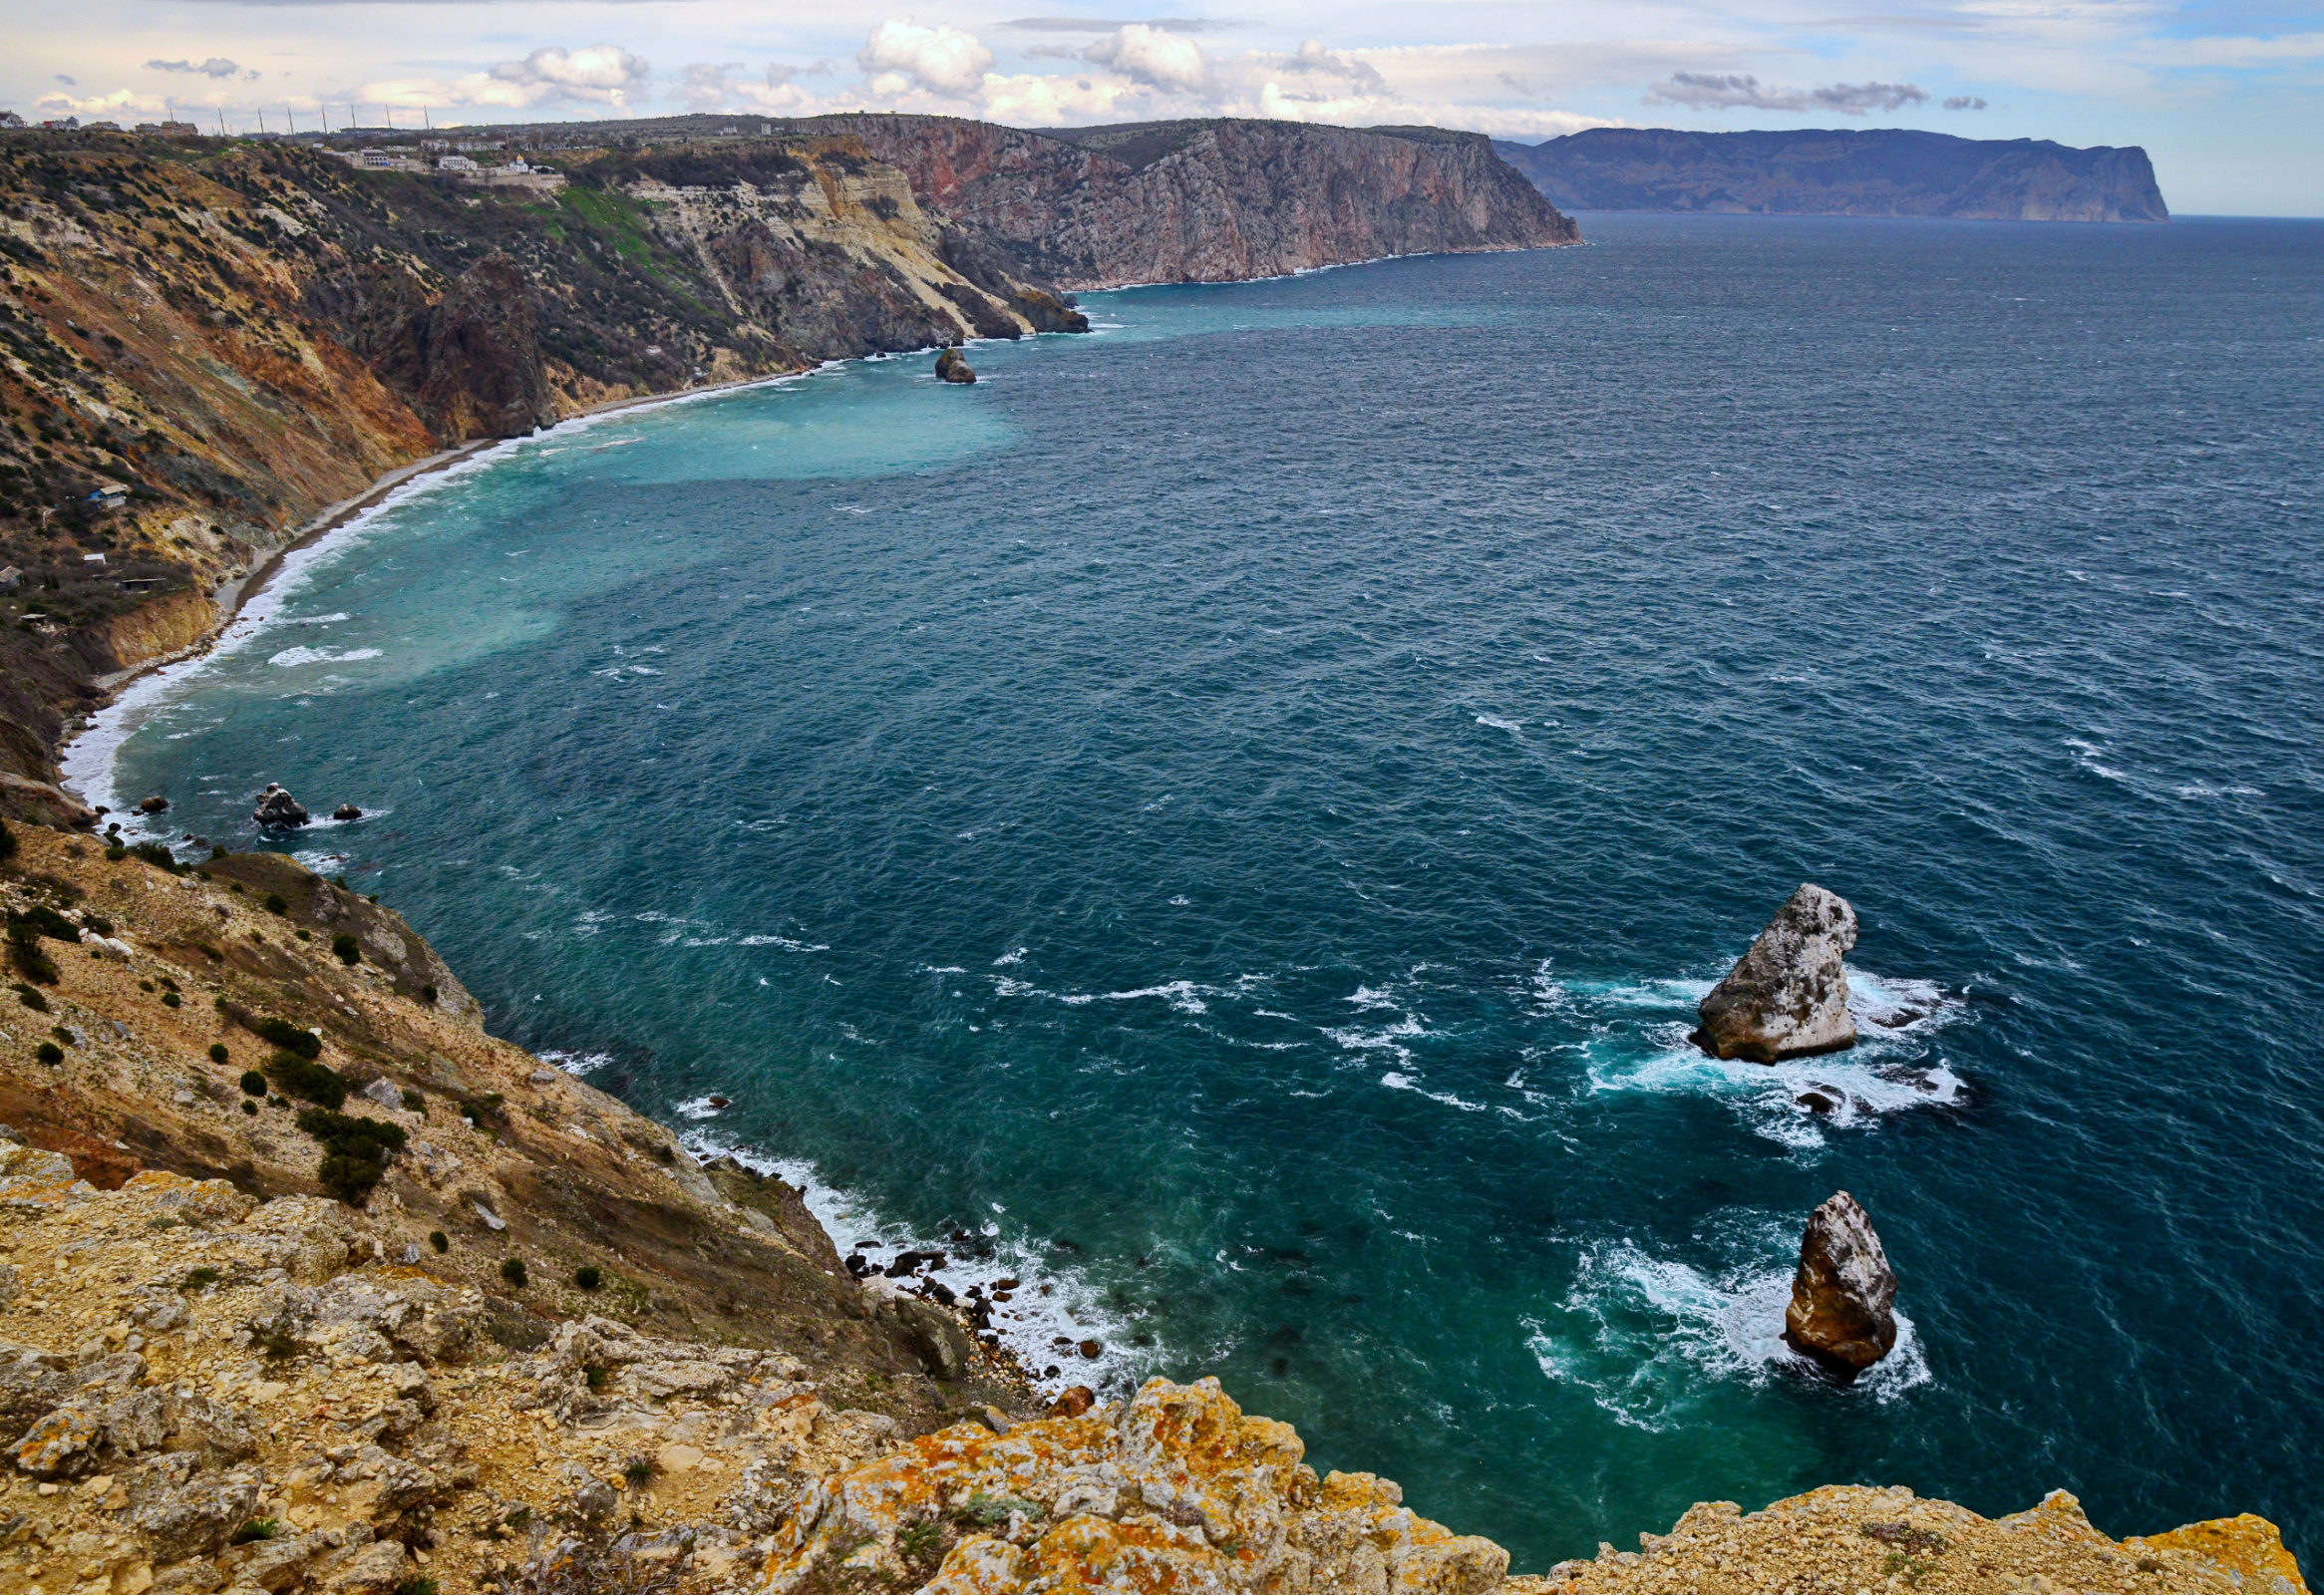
(1212, 200)
(308, 1286)
(202, 344)
(1835, 173)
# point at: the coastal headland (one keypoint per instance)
(214, 345)
(308, 1283)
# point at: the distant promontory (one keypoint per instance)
(1874, 171)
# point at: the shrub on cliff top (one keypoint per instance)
(288, 1035)
(588, 1276)
(253, 1083)
(31, 998)
(513, 1270)
(355, 1152)
(301, 1077)
(347, 949)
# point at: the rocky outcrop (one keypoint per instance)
(1879, 171)
(953, 365)
(1842, 1313)
(1212, 200)
(1175, 1489)
(278, 809)
(1788, 996)
(1855, 1536)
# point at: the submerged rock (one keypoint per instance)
(1788, 996)
(279, 808)
(1843, 1311)
(953, 365)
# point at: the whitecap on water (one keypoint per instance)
(1794, 1102)
(577, 1063)
(1650, 1337)
(292, 656)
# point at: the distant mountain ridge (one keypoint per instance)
(1873, 171)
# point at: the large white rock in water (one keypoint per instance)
(1788, 997)
(1842, 1313)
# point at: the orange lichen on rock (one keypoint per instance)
(1173, 1493)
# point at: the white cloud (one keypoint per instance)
(1030, 100)
(215, 67)
(724, 87)
(1150, 55)
(1313, 60)
(1965, 102)
(901, 55)
(602, 74)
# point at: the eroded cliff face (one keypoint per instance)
(1215, 200)
(217, 1377)
(1882, 171)
(203, 344)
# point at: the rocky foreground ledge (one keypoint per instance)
(215, 1378)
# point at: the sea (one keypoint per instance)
(1227, 822)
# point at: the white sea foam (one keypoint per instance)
(1649, 1337)
(573, 1063)
(1051, 1304)
(1498, 723)
(292, 656)
(1798, 1100)
(89, 761)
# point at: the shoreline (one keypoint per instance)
(229, 600)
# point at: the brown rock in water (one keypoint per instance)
(1788, 996)
(953, 365)
(346, 811)
(154, 805)
(1844, 1297)
(278, 807)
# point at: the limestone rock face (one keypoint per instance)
(1844, 1297)
(1175, 1491)
(953, 365)
(1213, 200)
(1788, 996)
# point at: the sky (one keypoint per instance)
(2226, 96)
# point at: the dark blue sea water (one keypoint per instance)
(1242, 806)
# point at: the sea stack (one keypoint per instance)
(953, 365)
(279, 808)
(1842, 1313)
(1788, 996)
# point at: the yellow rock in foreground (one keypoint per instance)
(1174, 1490)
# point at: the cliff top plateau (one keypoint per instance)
(1874, 171)
(308, 1284)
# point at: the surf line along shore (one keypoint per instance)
(231, 596)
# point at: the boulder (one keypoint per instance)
(1842, 1313)
(154, 806)
(1788, 996)
(39, 802)
(953, 365)
(346, 811)
(279, 808)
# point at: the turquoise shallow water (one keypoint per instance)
(1239, 807)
